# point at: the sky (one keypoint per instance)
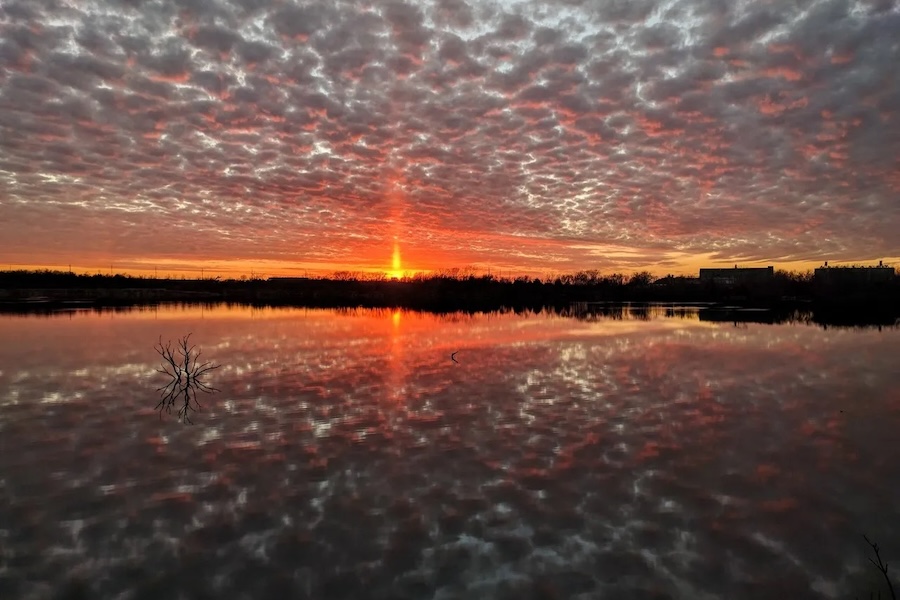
(523, 137)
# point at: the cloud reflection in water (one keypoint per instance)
(347, 455)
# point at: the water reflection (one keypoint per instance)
(348, 456)
(590, 311)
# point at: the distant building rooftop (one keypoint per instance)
(738, 275)
(853, 274)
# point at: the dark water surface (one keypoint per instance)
(347, 456)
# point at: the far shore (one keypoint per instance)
(773, 301)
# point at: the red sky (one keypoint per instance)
(248, 137)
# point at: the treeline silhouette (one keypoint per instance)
(449, 291)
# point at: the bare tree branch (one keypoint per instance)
(881, 566)
(186, 374)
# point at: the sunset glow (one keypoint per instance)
(240, 138)
(396, 271)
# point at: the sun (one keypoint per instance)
(396, 270)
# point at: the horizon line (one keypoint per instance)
(190, 274)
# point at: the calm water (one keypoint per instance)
(347, 456)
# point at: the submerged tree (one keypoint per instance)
(182, 364)
(882, 568)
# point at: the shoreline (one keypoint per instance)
(783, 311)
(777, 300)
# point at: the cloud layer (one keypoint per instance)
(524, 135)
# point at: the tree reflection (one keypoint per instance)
(182, 365)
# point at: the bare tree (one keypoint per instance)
(182, 364)
(881, 566)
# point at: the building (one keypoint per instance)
(853, 275)
(738, 276)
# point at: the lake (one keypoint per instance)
(632, 455)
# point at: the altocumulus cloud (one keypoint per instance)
(535, 134)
